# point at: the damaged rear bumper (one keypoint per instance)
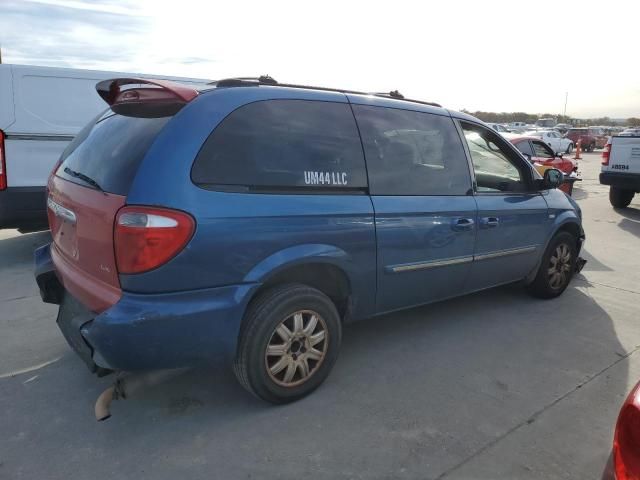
(148, 331)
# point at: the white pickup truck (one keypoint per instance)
(621, 169)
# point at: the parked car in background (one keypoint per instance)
(624, 461)
(562, 128)
(246, 221)
(538, 151)
(499, 128)
(41, 109)
(621, 169)
(600, 135)
(545, 122)
(543, 157)
(517, 127)
(589, 138)
(557, 142)
(630, 132)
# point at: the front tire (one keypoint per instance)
(620, 197)
(556, 268)
(569, 148)
(289, 342)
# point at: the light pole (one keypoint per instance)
(566, 97)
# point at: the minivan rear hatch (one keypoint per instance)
(91, 183)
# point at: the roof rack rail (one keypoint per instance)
(395, 94)
(392, 94)
(268, 80)
(245, 81)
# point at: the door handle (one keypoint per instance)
(490, 222)
(462, 224)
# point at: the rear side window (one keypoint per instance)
(542, 150)
(107, 152)
(412, 153)
(525, 147)
(284, 145)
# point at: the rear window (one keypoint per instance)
(107, 152)
(283, 145)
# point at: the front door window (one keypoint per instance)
(496, 167)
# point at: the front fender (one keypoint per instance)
(298, 255)
(560, 221)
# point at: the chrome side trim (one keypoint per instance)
(60, 211)
(505, 253)
(40, 137)
(409, 267)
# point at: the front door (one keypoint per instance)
(511, 214)
(425, 213)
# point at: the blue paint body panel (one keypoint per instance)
(522, 223)
(237, 233)
(148, 331)
(395, 251)
(417, 230)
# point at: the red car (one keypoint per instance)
(539, 152)
(624, 462)
(590, 138)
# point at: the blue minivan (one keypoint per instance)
(249, 221)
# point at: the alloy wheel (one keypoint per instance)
(297, 348)
(559, 266)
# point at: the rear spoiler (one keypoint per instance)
(144, 97)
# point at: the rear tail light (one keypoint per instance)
(3, 164)
(606, 153)
(626, 442)
(147, 237)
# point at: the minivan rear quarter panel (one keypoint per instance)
(323, 228)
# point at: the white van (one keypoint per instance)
(41, 110)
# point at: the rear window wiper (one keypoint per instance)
(84, 178)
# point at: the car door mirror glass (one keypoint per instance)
(552, 178)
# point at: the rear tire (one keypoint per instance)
(569, 148)
(592, 147)
(556, 268)
(288, 344)
(620, 197)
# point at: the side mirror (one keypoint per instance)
(552, 178)
(527, 156)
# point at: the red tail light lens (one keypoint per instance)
(147, 237)
(626, 443)
(3, 165)
(606, 153)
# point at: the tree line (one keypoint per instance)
(508, 117)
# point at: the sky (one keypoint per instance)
(478, 55)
